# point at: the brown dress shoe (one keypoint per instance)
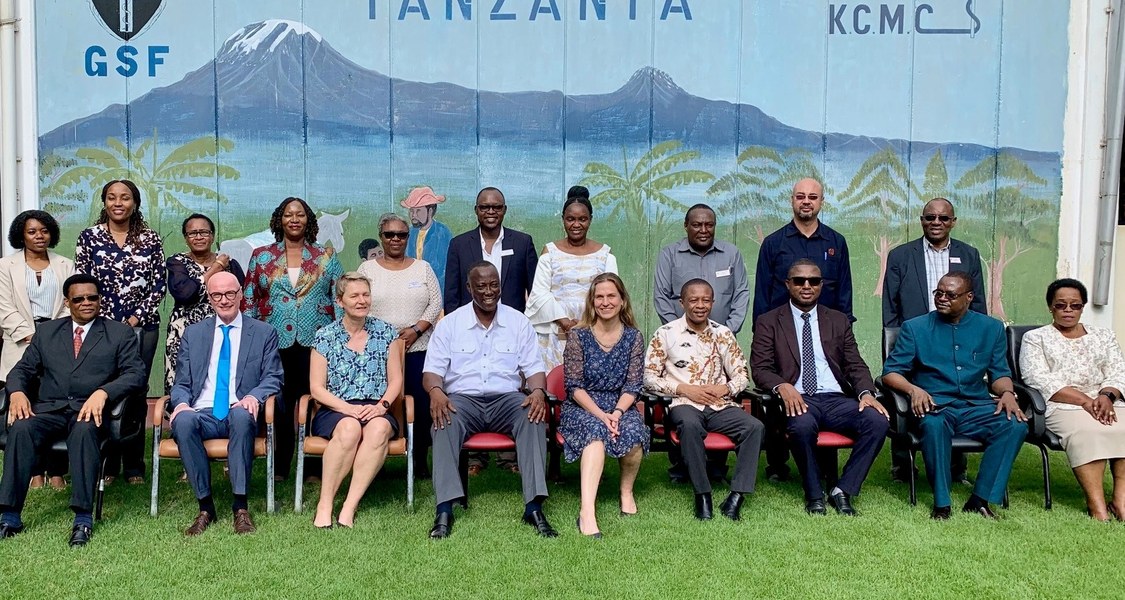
(242, 522)
(202, 521)
(474, 470)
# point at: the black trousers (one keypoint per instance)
(128, 458)
(692, 425)
(295, 364)
(31, 438)
(841, 414)
(422, 420)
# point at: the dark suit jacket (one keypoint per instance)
(257, 373)
(517, 271)
(775, 356)
(905, 291)
(110, 360)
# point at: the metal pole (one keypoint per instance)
(1111, 159)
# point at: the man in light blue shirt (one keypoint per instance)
(473, 370)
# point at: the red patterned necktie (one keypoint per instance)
(77, 340)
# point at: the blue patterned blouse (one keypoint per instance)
(351, 375)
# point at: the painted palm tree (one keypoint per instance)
(881, 189)
(999, 185)
(162, 181)
(647, 182)
(60, 205)
(759, 186)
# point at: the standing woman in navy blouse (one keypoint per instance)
(127, 259)
(289, 285)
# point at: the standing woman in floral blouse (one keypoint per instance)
(290, 286)
(127, 259)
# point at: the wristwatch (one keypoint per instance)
(386, 405)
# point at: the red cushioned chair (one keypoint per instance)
(556, 396)
(828, 443)
(661, 430)
(480, 442)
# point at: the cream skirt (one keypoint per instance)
(1086, 440)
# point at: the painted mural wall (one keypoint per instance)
(228, 107)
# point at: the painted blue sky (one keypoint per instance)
(1003, 86)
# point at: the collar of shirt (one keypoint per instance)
(931, 248)
(236, 323)
(499, 243)
(684, 246)
(85, 328)
(791, 230)
(798, 312)
(474, 322)
(705, 334)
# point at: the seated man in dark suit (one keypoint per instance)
(228, 365)
(473, 370)
(698, 363)
(812, 346)
(80, 363)
(940, 361)
(913, 270)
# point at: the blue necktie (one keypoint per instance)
(808, 357)
(222, 378)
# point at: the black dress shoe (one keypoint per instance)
(703, 508)
(443, 526)
(732, 506)
(842, 502)
(941, 513)
(815, 506)
(80, 536)
(777, 475)
(982, 510)
(7, 531)
(538, 520)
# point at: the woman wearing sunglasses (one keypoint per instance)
(406, 294)
(1079, 369)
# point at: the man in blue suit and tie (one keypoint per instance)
(228, 365)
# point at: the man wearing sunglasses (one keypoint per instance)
(807, 355)
(940, 361)
(80, 365)
(913, 270)
(228, 365)
(513, 254)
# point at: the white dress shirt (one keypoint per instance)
(474, 360)
(206, 397)
(937, 265)
(496, 257)
(85, 329)
(825, 380)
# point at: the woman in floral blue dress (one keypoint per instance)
(603, 363)
(355, 375)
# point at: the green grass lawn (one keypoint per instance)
(891, 550)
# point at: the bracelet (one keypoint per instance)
(434, 387)
(616, 409)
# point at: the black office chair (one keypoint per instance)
(119, 429)
(1038, 434)
(905, 426)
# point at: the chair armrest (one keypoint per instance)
(4, 401)
(271, 406)
(408, 407)
(303, 407)
(656, 398)
(159, 408)
(1034, 406)
(897, 405)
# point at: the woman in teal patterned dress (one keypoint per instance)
(355, 375)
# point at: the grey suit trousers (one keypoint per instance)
(499, 414)
(190, 429)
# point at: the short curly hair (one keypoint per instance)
(15, 231)
(311, 229)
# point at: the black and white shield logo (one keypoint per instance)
(127, 18)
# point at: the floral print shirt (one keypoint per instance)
(677, 355)
(356, 375)
(132, 276)
(295, 311)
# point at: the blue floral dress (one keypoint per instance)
(357, 377)
(604, 376)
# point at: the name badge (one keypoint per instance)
(954, 260)
(723, 273)
(414, 285)
(507, 252)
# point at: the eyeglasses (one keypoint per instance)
(813, 197)
(199, 233)
(950, 295)
(217, 296)
(801, 281)
(942, 218)
(1061, 306)
(396, 235)
(491, 208)
(81, 299)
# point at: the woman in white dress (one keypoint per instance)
(566, 268)
(1080, 371)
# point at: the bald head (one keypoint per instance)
(225, 294)
(807, 199)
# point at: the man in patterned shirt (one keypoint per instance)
(698, 363)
